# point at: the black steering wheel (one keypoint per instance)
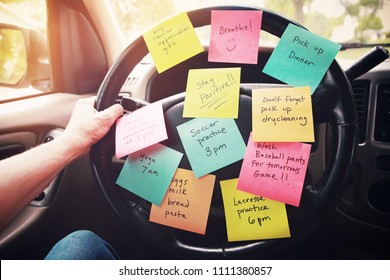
(332, 104)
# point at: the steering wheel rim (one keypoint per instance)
(332, 103)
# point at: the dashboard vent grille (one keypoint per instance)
(382, 118)
(361, 91)
(131, 81)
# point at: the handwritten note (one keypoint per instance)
(282, 115)
(147, 173)
(187, 202)
(140, 129)
(212, 93)
(211, 144)
(250, 217)
(275, 170)
(235, 36)
(301, 58)
(172, 41)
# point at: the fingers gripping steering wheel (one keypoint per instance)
(332, 103)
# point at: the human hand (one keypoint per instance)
(87, 125)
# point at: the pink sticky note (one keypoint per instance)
(235, 36)
(140, 129)
(275, 170)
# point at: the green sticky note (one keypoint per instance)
(148, 172)
(301, 58)
(211, 144)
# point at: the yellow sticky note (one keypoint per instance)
(282, 115)
(172, 41)
(251, 217)
(186, 204)
(212, 93)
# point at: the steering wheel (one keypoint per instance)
(332, 103)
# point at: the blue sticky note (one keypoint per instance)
(148, 172)
(211, 144)
(301, 58)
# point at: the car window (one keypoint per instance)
(23, 44)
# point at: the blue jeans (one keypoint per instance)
(82, 245)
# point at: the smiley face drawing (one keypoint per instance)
(234, 36)
(231, 45)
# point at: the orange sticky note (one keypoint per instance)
(212, 93)
(186, 204)
(251, 217)
(172, 41)
(282, 115)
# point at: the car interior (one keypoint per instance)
(345, 205)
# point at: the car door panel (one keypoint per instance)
(24, 124)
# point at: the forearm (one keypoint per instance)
(26, 175)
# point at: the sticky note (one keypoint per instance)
(212, 93)
(275, 170)
(148, 172)
(235, 36)
(282, 115)
(301, 58)
(251, 217)
(140, 129)
(187, 203)
(211, 144)
(172, 41)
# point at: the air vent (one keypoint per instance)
(361, 90)
(128, 85)
(131, 81)
(382, 118)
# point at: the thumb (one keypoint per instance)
(112, 113)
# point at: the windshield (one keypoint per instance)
(342, 21)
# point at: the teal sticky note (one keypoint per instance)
(301, 58)
(211, 144)
(148, 172)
